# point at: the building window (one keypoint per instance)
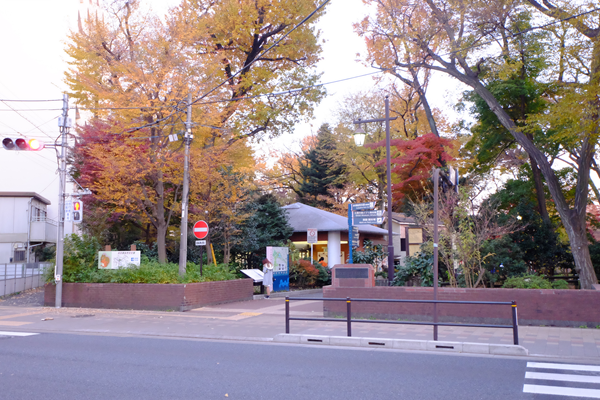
(402, 244)
(19, 255)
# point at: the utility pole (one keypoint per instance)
(187, 140)
(64, 124)
(436, 181)
(359, 142)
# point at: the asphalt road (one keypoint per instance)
(61, 366)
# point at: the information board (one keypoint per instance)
(118, 259)
(279, 257)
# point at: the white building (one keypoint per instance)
(24, 224)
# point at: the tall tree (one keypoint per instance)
(513, 79)
(134, 69)
(267, 225)
(322, 171)
(459, 40)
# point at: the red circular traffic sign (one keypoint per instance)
(201, 229)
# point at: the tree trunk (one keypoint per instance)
(581, 254)
(161, 235)
(539, 190)
(572, 219)
(161, 228)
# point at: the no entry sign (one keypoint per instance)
(312, 235)
(201, 229)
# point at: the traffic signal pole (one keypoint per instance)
(187, 140)
(64, 125)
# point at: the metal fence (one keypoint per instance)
(349, 319)
(18, 277)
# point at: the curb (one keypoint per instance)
(403, 344)
(297, 293)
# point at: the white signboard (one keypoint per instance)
(312, 235)
(118, 259)
(68, 210)
(256, 274)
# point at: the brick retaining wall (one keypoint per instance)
(143, 296)
(535, 307)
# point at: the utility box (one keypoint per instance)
(353, 275)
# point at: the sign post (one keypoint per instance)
(200, 232)
(360, 214)
(312, 237)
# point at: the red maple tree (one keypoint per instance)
(412, 162)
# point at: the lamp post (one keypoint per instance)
(359, 139)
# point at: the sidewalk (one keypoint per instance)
(263, 319)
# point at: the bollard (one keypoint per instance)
(287, 314)
(515, 323)
(348, 316)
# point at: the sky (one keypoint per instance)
(34, 33)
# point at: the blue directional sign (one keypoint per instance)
(370, 213)
(368, 221)
(363, 206)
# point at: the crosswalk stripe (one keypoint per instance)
(568, 367)
(564, 391)
(5, 333)
(562, 377)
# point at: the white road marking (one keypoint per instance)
(568, 367)
(562, 391)
(562, 377)
(5, 333)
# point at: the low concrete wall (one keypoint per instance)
(141, 296)
(535, 307)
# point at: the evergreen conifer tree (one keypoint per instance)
(322, 171)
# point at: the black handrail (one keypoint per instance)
(348, 300)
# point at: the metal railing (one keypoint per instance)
(18, 277)
(349, 320)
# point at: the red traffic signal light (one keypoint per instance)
(77, 211)
(22, 144)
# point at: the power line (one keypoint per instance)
(26, 119)
(556, 22)
(258, 57)
(309, 16)
(279, 93)
(28, 101)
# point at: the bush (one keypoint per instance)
(303, 273)
(81, 265)
(527, 282)
(560, 284)
(419, 266)
(324, 277)
(373, 254)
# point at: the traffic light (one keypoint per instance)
(22, 144)
(77, 211)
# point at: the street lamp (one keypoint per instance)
(359, 139)
(359, 136)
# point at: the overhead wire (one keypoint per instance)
(28, 101)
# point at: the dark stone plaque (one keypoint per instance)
(346, 273)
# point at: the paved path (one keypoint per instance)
(261, 320)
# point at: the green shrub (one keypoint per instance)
(80, 264)
(560, 284)
(527, 282)
(324, 277)
(373, 254)
(420, 265)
